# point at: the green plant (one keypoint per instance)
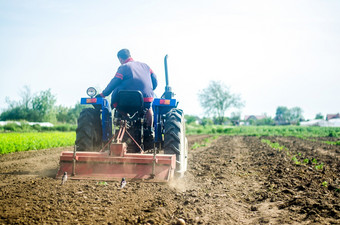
(319, 167)
(15, 142)
(296, 131)
(205, 142)
(101, 183)
(332, 133)
(314, 161)
(12, 127)
(295, 160)
(332, 142)
(325, 184)
(195, 146)
(274, 145)
(306, 161)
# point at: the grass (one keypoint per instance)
(205, 142)
(16, 142)
(25, 127)
(295, 131)
(332, 142)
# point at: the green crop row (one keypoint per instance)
(297, 158)
(16, 142)
(205, 142)
(296, 131)
(25, 127)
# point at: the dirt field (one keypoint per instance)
(233, 180)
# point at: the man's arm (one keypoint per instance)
(153, 79)
(118, 78)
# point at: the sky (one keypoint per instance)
(270, 52)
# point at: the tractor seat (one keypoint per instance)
(130, 102)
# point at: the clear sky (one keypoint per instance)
(272, 53)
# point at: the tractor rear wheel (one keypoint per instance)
(175, 141)
(89, 130)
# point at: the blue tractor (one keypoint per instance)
(100, 126)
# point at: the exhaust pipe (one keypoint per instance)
(168, 94)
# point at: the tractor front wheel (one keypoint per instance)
(89, 130)
(175, 141)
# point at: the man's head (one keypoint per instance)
(123, 55)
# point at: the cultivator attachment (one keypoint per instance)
(108, 166)
(116, 163)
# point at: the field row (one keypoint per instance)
(16, 142)
(291, 131)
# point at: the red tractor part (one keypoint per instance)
(116, 163)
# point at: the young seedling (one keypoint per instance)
(295, 160)
(325, 184)
(314, 161)
(319, 167)
(206, 141)
(195, 146)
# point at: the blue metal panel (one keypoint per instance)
(160, 107)
(99, 101)
(106, 124)
(106, 115)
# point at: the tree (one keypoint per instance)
(216, 99)
(62, 113)
(43, 105)
(235, 118)
(295, 115)
(264, 121)
(69, 114)
(190, 119)
(282, 115)
(36, 108)
(26, 97)
(40, 108)
(205, 121)
(18, 110)
(14, 113)
(319, 116)
(286, 116)
(74, 112)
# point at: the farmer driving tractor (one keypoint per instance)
(132, 75)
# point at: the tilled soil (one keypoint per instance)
(232, 180)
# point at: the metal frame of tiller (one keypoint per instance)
(115, 163)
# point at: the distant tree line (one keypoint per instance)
(283, 116)
(39, 107)
(216, 99)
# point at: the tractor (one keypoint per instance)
(116, 143)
